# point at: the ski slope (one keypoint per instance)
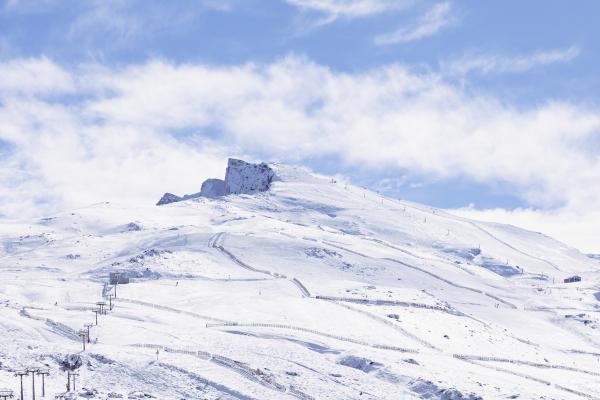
(314, 289)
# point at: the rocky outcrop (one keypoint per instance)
(168, 198)
(71, 362)
(213, 188)
(241, 177)
(171, 198)
(246, 178)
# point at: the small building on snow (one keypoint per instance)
(118, 278)
(571, 279)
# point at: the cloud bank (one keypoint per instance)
(73, 136)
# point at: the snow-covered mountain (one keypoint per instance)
(312, 289)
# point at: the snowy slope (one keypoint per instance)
(314, 289)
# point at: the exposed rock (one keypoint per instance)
(171, 198)
(213, 188)
(168, 198)
(246, 178)
(88, 393)
(319, 252)
(140, 395)
(132, 227)
(360, 363)
(72, 362)
(241, 177)
(429, 390)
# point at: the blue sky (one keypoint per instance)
(489, 108)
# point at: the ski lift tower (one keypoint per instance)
(21, 374)
(88, 326)
(69, 376)
(83, 335)
(110, 301)
(43, 372)
(101, 305)
(33, 371)
(6, 394)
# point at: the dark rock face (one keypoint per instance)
(72, 362)
(241, 177)
(213, 188)
(429, 390)
(246, 178)
(168, 198)
(360, 363)
(133, 227)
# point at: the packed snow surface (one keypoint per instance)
(312, 289)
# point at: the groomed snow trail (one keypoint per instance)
(390, 324)
(253, 375)
(381, 302)
(314, 332)
(224, 323)
(491, 296)
(556, 267)
(171, 309)
(217, 242)
(496, 298)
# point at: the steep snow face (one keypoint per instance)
(246, 178)
(314, 290)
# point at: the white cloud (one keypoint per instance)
(350, 9)
(438, 17)
(487, 64)
(130, 133)
(346, 8)
(34, 76)
(62, 160)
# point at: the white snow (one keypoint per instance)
(311, 289)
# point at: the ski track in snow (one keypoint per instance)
(513, 247)
(217, 241)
